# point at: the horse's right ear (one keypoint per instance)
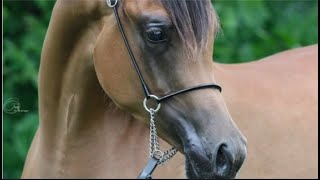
(112, 3)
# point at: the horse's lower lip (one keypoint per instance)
(194, 172)
(191, 172)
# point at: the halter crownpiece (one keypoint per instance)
(156, 155)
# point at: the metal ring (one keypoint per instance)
(159, 153)
(149, 109)
(110, 4)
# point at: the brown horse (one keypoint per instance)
(92, 122)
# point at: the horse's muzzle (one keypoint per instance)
(222, 163)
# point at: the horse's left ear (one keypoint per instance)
(112, 3)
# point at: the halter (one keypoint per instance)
(156, 155)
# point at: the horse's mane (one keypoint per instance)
(192, 18)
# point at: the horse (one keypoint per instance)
(92, 123)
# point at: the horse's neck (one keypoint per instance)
(81, 132)
(79, 125)
(84, 134)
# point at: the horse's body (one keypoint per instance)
(274, 101)
(83, 134)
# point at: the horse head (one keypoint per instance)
(172, 42)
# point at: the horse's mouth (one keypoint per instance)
(204, 159)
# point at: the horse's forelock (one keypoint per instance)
(192, 18)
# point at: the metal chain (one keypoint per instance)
(154, 142)
(168, 155)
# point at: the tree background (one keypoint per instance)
(251, 29)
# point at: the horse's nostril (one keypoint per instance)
(222, 160)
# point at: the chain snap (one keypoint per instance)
(150, 109)
(157, 154)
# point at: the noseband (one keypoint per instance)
(156, 156)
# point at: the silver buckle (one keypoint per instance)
(110, 3)
(156, 109)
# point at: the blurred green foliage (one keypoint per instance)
(251, 29)
(24, 28)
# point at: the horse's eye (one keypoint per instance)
(155, 34)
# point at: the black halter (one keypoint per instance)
(153, 162)
(146, 90)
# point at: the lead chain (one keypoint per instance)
(154, 142)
